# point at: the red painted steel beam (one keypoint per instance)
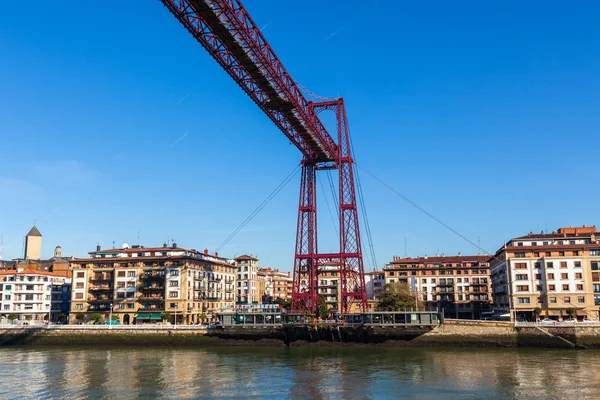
(226, 30)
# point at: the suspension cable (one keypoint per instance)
(260, 207)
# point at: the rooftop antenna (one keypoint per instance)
(478, 246)
(405, 252)
(113, 244)
(138, 236)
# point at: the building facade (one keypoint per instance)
(141, 284)
(278, 285)
(458, 285)
(375, 282)
(28, 296)
(247, 280)
(557, 273)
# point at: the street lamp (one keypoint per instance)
(110, 317)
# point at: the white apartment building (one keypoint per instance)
(556, 272)
(247, 279)
(27, 295)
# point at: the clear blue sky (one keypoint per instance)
(115, 121)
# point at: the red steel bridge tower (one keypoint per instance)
(226, 30)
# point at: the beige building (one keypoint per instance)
(329, 287)
(148, 284)
(278, 285)
(33, 245)
(458, 285)
(248, 290)
(554, 271)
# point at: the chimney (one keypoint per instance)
(205, 252)
(288, 274)
(174, 245)
(98, 247)
(216, 254)
(165, 244)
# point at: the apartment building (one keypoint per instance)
(554, 272)
(458, 285)
(247, 280)
(278, 285)
(142, 284)
(329, 287)
(375, 282)
(29, 296)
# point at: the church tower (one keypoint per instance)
(33, 244)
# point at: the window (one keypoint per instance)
(79, 285)
(550, 264)
(120, 285)
(433, 280)
(79, 296)
(173, 283)
(560, 242)
(523, 300)
(564, 276)
(538, 288)
(519, 255)
(565, 287)
(172, 294)
(594, 267)
(550, 276)
(423, 280)
(81, 274)
(7, 297)
(536, 253)
(571, 242)
(578, 275)
(121, 305)
(595, 252)
(120, 295)
(577, 264)
(596, 287)
(580, 287)
(567, 299)
(522, 288)
(459, 280)
(130, 284)
(131, 274)
(581, 300)
(534, 243)
(130, 295)
(130, 305)
(7, 307)
(575, 252)
(561, 253)
(551, 287)
(521, 277)
(78, 306)
(30, 287)
(520, 244)
(121, 274)
(538, 276)
(174, 272)
(548, 254)
(460, 297)
(552, 300)
(545, 243)
(520, 265)
(563, 264)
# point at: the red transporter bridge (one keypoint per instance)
(226, 30)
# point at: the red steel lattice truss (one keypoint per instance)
(226, 30)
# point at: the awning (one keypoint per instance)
(149, 317)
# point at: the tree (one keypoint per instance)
(398, 296)
(61, 317)
(570, 312)
(79, 317)
(286, 304)
(203, 317)
(97, 318)
(12, 317)
(166, 316)
(322, 308)
(537, 311)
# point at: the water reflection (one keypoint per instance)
(348, 373)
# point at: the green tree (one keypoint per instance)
(203, 317)
(79, 317)
(322, 308)
(166, 316)
(537, 311)
(570, 312)
(12, 317)
(96, 318)
(61, 317)
(398, 296)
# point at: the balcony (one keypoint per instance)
(154, 309)
(153, 275)
(103, 278)
(99, 300)
(100, 288)
(151, 288)
(213, 298)
(99, 308)
(478, 283)
(150, 298)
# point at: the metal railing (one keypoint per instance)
(557, 324)
(105, 327)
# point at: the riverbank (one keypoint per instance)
(453, 333)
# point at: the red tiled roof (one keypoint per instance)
(245, 257)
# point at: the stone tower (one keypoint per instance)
(33, 244)
(58, 252)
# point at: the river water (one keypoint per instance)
(302, 373)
